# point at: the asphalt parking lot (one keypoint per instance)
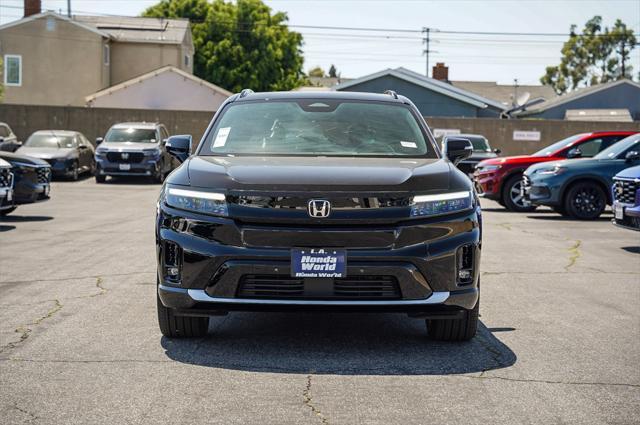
(559, 340)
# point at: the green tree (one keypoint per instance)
(597, 55)
(316, 72)
(239, 45)
(333, 72)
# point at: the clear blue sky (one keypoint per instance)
(470, 57)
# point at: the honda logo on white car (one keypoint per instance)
(319, 208)
(125, 155)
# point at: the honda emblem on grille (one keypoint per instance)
(125, 155)
(620, 189)
(319, 208)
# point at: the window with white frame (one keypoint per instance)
(105, 54)
(12, 70)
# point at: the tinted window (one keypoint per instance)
(590, 148)
(131, 134)
(43, 140)
(317, 127)
(621, 148)
(551, 149)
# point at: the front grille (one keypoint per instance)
(337, 203)
(5, 177)
(348, 288)
(125, 157)
(44, 174)
(625, 191)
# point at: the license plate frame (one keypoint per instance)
(318, 263)
(618, 211)
(124, 167)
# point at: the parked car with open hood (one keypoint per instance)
(481, 151)
(8, 140)
(31, 179)
(500, 179)
(626, 198)
(6, 185)
(580, 188)
(134, 149)
(306, 200)
(68, 152)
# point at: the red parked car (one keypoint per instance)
(500, 179)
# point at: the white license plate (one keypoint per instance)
(619, 211)
(125, 167)
(47, 189)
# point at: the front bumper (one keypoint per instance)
(542, 191)
(487, 184)
(6, 198)
(626, 215)
(147, 167)
(215, 256)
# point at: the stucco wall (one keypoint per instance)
(623, 96)
(129, 60)
(429, 103)
(59, 67)
(167, 91)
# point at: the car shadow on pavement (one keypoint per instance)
(24, 218)
(558, 217)
(131, 181)
(340, 344)
(6, 228)
(632, 249)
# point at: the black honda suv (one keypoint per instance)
(308, 201)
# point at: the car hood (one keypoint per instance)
(46, 153)
(4, 164)
(581, 166)
(319, 174)
(126, 146)
(25, 159)
(630, 173)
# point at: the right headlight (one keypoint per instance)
(213, 203)
(442, 203)
(485, 168)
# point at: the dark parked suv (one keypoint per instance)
(332, 201)
(133, 149)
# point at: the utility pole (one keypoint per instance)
(515, 93)
(426, 40)
(69, 8)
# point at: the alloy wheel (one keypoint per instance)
(515, 193)
(587, 202)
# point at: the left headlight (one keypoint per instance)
(201, 202)
(557, 170)
(151, 153)
(444, 203)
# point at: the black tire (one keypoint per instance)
(454, 330)
(511, 197)
(585, 201)
(159, 176)
(100, 178)
(173, 326)
(75, 172)
(7, 211)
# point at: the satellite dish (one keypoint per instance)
(523, 98)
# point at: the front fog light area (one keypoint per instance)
(172, 262)
(201, 202)
(426, 205)
(464, 264)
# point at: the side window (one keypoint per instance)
(633, 147)
(164, 133)
(610, 140)
(4, 131)
(12, 70)
(591, 148)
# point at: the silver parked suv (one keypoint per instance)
(134, 149)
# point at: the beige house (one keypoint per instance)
(51, 59)
(167, 88)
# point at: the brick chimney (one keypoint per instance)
(32, 7)
(440, 72)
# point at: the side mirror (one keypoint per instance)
(632, 156)
(179, 146)
(99, 140)
(163, 142)
(497, 151)
(82, 147)
(574, 153)
(457, 149)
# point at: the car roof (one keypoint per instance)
(140, 125)
(329, 95)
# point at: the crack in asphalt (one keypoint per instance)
(60, 279)
(574, 254)
(102, 289)
(32, 417)
(25, 330)
(308, 401)
(547, 381)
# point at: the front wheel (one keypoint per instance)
(462, 329)
(513, 198)
(585, 201)
(75, 171)
(173, 326)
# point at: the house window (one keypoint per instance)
(105, 54)
(51, 23)
(186, 60)
(13, 70)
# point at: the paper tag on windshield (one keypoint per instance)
(221, 137)
(408, 144)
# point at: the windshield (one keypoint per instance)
(550, 150)
(624, 145)
(40, 140)
(136, 135)
(317, 127)
(480, 144)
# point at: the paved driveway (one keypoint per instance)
(79, 343)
